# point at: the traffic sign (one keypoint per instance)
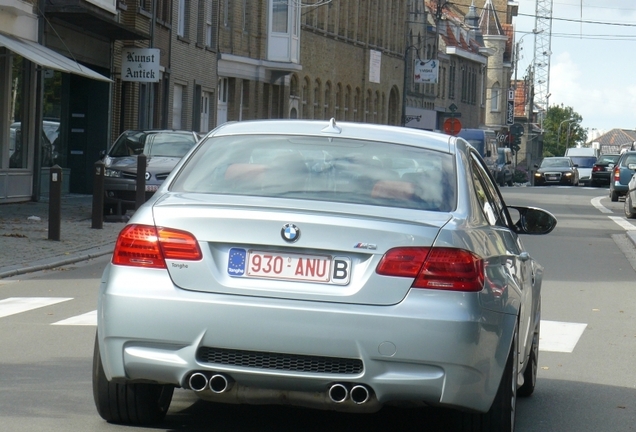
(452, 126)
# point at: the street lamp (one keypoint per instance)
(567, 138)
(559, 132)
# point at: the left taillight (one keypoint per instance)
(149, 246)
(439, 268)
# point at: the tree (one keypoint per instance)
(562, 128)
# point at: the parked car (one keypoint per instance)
(163, 148)
(282, 263)
(504, 166)
(556, 170)
(602, 169)
(630, 199)
(621, 174)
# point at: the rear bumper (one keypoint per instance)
(423, 350)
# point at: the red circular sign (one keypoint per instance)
(452, 126)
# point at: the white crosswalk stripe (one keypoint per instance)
(16, 305)
(87, 319)
(560, 336)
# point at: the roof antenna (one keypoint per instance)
(332, 128)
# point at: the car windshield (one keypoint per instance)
(325, 169)
(583, 161)
(166, 144)
(555, 162)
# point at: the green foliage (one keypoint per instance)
(562, 128)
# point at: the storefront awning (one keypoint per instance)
(47, 58)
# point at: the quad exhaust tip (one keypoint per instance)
(359, 394)
(218, 383)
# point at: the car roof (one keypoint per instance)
(345, 130)
(149, 131)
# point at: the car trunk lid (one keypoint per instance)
(293, 249)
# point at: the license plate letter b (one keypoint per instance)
(340, 270)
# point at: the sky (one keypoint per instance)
(593, 61)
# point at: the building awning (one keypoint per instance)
(47, 58)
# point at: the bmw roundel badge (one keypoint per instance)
(290, 233)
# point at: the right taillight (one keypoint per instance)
(439, 268)
(149, 246)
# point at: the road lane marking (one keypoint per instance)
(557, 336)
(621, 222)
(87, 319)
(16, 305)
(596, 202)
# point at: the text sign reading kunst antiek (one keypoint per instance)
(140, 64)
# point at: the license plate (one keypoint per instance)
(552, 177)
(152, 188)
(285, 266)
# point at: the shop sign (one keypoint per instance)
(140, 64)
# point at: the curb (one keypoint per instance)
(54, 262)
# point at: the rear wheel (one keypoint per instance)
(135, 404)
(502, 414)
(630, 212)
(613, 195)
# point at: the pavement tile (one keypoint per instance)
(24, 232)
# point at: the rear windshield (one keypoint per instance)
(607, 159)
(583, 161)
(325, 169)
(629, 159)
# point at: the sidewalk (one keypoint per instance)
(24, 243)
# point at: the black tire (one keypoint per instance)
(630, 211)
(509, 183)
(530, 374)
(502, 414)
(613, 195)
(131, 404)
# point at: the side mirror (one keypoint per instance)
(576, 165)
(532, 220)
(536, 165)
(102, 154)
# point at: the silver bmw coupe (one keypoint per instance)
(337, 266)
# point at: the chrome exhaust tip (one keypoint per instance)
(220, 383)
(338, 393)
(360, 394)
(198, 381)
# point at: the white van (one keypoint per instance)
(584, 158)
